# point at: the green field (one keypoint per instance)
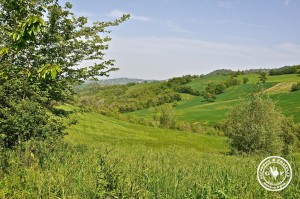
(196, 109)
(171, 164)
(109, 158)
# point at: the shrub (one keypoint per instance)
(295, 87)
(231, 82)
(24, 119)
(257, 126)
(245, 80)
(164, 115)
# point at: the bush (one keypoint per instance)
(25, 119)
(257, 126)
(231, 82)
(166, 116)
(295, 87)
(245, 80)
(210, 97)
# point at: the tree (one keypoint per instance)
(245, 80)
(231, 81)
(164, 115)
(257, 126)
(220, 88)
(263, 77)
(210, 97)
(41, 45)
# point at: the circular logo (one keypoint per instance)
(274, 173)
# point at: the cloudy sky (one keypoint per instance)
(166, 38)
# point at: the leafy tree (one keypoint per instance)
(257, 126)
(263, 77)
(164, 115)
(231, 81)
(42, 42)
(245, 80)
(220, 88)
(41, 45)
(210, 97)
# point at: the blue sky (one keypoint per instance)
(166, 38)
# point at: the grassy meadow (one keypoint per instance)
(103, 157)
(108, 158)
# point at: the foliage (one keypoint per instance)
(245, 80)
(24, 119)
(182, 80)
(231, 81)
(295, 87)
(111, 100)
(257, 126)
(285, 70)
(41, 43)
(44, 53)
(140, 162)
(212, 90)
(263, 77)
(178, 84)
(210, 97)
(165, 116)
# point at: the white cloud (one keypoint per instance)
(165, 57)
(119, 13)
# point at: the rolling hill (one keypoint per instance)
(195, 108)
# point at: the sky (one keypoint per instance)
(168, 38)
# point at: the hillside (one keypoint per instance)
(155, 162)
(195, 108)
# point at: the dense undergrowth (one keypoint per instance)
(61, 170)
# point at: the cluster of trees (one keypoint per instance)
(178, 84)
(212, 90)
(41, 42)
(111, 100)
(285, 70)
(182, 80)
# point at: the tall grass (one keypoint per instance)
(40, 170)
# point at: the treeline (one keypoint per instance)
(109, 100)
(285, 70)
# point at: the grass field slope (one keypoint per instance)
(162, 163)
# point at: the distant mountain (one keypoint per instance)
(121, 81)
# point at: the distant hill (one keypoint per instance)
(221, 71)
(121, 81)
(228, 71)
